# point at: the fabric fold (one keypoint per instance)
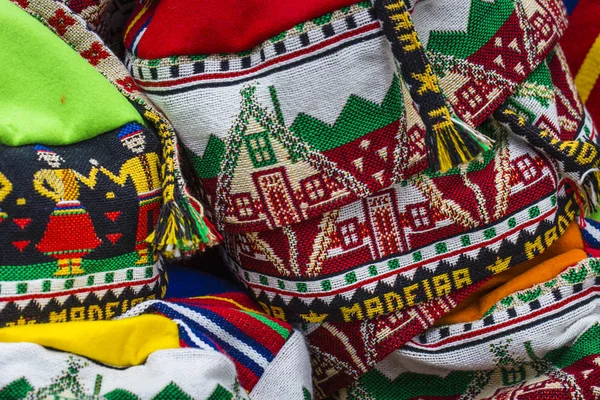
(120, 343)
(51, 95)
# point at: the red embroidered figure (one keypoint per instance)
(143, 172)
(70, 233)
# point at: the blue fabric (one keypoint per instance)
(570, 4)
(591, 233)
(187, 282)
(212, 336)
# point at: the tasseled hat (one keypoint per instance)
(91, 194)
(369, 161)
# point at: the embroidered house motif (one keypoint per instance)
(418, 227)
(289, 176)
(309, 166)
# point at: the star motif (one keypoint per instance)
(60, 21)
(95, 53)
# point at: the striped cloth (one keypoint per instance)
(581, 44)
(222, 347)
(270, 357)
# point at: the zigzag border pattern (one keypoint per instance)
(42, 291)
(99, 305)
(549, 295)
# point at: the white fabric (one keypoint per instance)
(287, 374)
(368, 69)
(198, 373)
(565, 312)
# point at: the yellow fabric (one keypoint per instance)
(589, 72)
(566, 251)
(133, 168)
(121, 343)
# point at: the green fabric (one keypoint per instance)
(595, 216)
(49, 94)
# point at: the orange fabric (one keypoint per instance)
(566, 251)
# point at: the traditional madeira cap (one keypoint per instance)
(371, 159)
(82, 216)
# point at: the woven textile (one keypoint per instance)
(341, 352)
(538, 343)
(582, 47)
(337, 139)
(591, 236)
(348, 160)
(182, 227)
(271, 359)
(275, 165)
(30, 371)
(268, 357)
(75, 221)
(429, 235)
(200, 27)
(565, 252)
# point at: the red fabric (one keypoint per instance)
(194, 27)
(584, 27)
(334, 352)
(69, 235)
(147, 218)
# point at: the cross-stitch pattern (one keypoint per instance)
(356, 113)
(534, 344)
(76, 220)
(193, 232)
(67, 376)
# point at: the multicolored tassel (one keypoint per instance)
(449, 141)
(182, 228)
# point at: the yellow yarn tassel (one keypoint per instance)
(453, 142)
(181, 229)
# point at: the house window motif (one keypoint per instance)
(512, 376)
(415, 138)
(244, 244)
(349, 233)
(242, 206)
(260, 149)
(420, 217)
(315, 189)
(527, 169)
(473, 96)
(542, 25)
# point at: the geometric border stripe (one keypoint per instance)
(384, 269)
(434, 337)
(11, 291)
(489, 333)
(235, 63)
